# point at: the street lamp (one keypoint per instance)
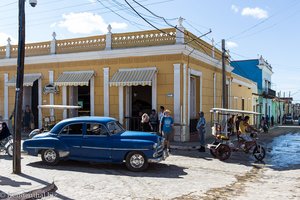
(19, 87)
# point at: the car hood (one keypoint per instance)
(139, 135)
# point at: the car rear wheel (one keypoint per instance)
(50, 156)
(136, 161)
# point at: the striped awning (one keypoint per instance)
(133, 77)
(27, 81)
(77, 78)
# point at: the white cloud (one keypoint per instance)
(86, 23)
(92, 1)
(4, 37)
(235, 8)
(257, 13)
(231, 45)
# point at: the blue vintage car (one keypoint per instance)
(97, 139)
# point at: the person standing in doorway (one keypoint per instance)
(161, 113)
(272, 120)
(154, 120)
(201, 130)
(27, 119)
(167, 124)
(145, 123)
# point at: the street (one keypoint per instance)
(184, 175)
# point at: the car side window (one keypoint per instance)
(114, 128)
(72, 129)
(96, 129)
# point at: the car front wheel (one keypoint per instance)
(50, 156)
(136, 161)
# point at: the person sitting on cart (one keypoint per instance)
(245, 128)
(4, 133)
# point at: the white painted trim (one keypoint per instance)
(177, 82)
(121, 104)
(201, 90)
(230, 93)
(242, 83)
(184, 95)
(137, 69)
(154, 91)
(5, 96)
(189, 97)
(195, 72)
(40, 100)
(198, 73)
(119, 53)
(51, 95)
(64, 100)
(106, 91)
(92, 96)
(215, 90)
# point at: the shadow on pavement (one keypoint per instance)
(42, 182)
(157, 170)
(12, 183)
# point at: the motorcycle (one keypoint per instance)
(6, 146)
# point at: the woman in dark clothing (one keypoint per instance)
(4, 131)
(27, 119)
(154, 120)
(145, 123)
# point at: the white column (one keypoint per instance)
(177, 110)
(92, 97)
(64, 100)
(51, 95)
(230, 93)
(215, 90)
(5, 97)
(40, 100)
(154, 91)
(184, 95)
(121, 104)
(106, 90)
(201, 90)
(189, 97)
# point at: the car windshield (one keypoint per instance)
(114, 127)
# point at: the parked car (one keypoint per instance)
(97, 139)
(289, 120)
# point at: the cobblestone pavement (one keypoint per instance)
(184, 175)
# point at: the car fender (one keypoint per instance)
(122, 147)
(34, 146)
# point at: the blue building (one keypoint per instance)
(259, 71)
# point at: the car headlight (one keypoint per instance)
(154, 145)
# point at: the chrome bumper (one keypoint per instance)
(159, 159)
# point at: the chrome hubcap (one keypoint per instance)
(137, 161)
(10, 150)
(50, 155)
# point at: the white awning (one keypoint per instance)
(133, 77)
(28, 80)
(77, 78)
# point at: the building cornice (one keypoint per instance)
(119, 53)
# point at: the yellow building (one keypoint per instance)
(120, 75)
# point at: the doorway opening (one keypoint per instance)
(140, 102)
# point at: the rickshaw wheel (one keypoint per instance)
(213, 149)
(223, 152)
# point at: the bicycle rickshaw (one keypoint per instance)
(50, 121)
(226, 141)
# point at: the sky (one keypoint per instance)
(250, 27)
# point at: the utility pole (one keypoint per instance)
(19, 90)
(224, 105)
